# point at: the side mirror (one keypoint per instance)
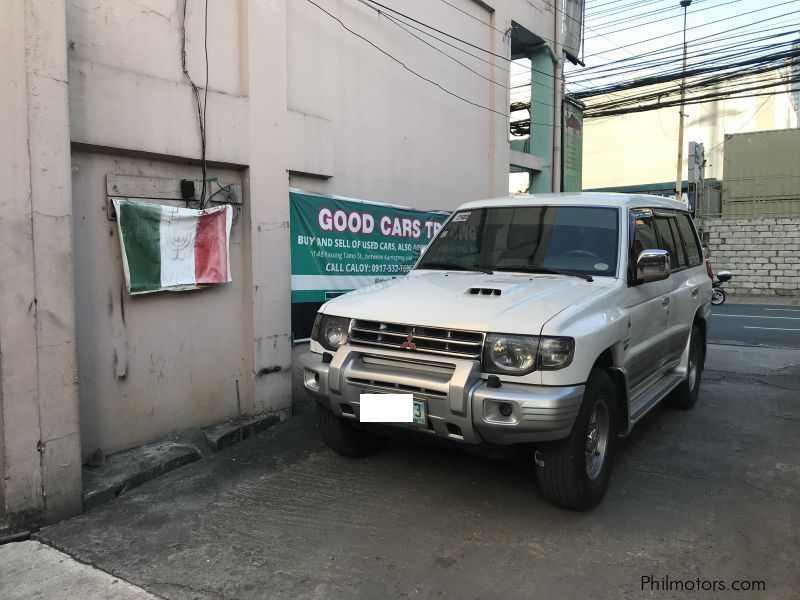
(652, 265)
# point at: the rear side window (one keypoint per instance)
(679, 246)
(693, 253)
(668, 241)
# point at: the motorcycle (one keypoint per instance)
(717, 293)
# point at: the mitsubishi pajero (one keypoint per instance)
(554, 322)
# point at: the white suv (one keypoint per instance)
(554, 320)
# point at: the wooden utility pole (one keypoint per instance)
(679, 179)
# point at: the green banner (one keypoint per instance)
(340, 244)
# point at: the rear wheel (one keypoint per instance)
(717, 296)
(342, 436)
(574, 472)
(685, 395)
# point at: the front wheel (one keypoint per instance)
(574, 472)
(344, 437)
(717, 296)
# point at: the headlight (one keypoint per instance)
(330, 331)
(511, 354)
(523, 354)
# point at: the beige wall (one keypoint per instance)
(291, 94)
(389, 135)
(149, 364)
(641, 148)
(129, 97)
(40, 471)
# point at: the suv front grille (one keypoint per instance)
(415, 338)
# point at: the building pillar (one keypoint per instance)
(39, 428)
(268, 203)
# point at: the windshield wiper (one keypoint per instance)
(453, 267)
(544, 270)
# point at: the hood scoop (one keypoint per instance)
(479, 291)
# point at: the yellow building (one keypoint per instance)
(638, 149)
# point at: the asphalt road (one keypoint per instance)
(696, 496)
(756, 325)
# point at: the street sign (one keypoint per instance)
(696, 162)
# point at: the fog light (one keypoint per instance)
(311, 379)
(501, 411)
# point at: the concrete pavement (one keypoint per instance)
(705, 495)
(31, 570)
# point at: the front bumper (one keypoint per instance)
(459, 404)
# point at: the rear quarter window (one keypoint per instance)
(686, 228)
(668, 242)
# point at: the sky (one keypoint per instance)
(611, 36)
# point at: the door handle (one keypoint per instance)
(665, 301)
(695, 291)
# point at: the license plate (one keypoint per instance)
(420, 414)
(374, 410)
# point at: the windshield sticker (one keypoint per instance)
(601, 267)
(462, 216)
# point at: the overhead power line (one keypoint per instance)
(670, 56)
(736, 94)
(629, 17)
(409, 69)
(770, 59)
(651, 39)
(654, 92)
(451, 36)
(594, 11)
(399, 24)
(720, 40)
(471, 16)
(663, 94)
(438, 39)
(662, 19)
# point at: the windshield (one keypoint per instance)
(573, 239)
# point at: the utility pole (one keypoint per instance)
(679, 179)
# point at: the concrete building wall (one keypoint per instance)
(292, 95)
(381, 132)
(150, 364)
(762, 253)
(41, 447)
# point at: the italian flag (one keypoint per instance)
(172, 248)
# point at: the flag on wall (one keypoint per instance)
(168, 248)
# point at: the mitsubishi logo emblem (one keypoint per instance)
(409, 343)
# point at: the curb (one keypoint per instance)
(129, 469)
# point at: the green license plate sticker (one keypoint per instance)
(420, 416)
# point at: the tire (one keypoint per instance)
(565, 474)
(717, 296)
(343, 437)
(685, 395)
